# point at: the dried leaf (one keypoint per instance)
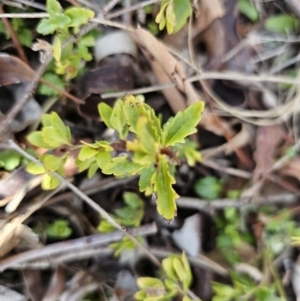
(13, 70)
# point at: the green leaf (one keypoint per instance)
(83, 165)
(86, 153)
(9, 160)
(79, 16)
(105, 111)
(57, 49)
(53, 7)
(61, 21)
(52, 137)
(145, 178)
(25, 37)
(54, 79)
(183, 124)
(50, 182)
(281, 24)
(182, 10)
(167, 264)
(46, 120)
(59, 229)
(35, 169)
(60, 126)
(145, 282)
(52, 163)
(133, 200)
(36, 138)
(46, 27)
(92, 170)
(133, 109)
(118, 121)
(166, 195)
(103, 158)
(247, 8)
(208, 187)
(184, 276)
(121, 166)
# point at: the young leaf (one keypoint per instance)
(247, 8)
(86, 153)
(52, 137)
(52, 163)
(105, 112)
(121, 166)
(46, 120)
(166, 195)
(117, 119)
(46, 27)
(79, 16)
(59, 229)
(183, 124)
(145, 178)
(53, 7)
(36, 138)
(92, 170)
(208, 187)
(59, 125)
(182, 10)
(57, 49)
(103, 158)
(35, 169)
(50, 182)
(281, 23)
(183, 275)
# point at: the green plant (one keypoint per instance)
(59, 229)
(68, 60)
(244, 288)
(173, 14)
(130, 216)
(177, 273)
(208, 187)
(23, 33)
(151, 154)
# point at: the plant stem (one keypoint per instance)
(88, 200)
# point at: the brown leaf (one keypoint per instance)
(100, 80)
(13, 70)
(268, 137)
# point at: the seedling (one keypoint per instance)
(151, 154)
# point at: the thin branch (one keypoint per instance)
(25, 15)
(278, 199)
(14, 38)
(88, 200)
(209, 75)
(74, 245)
(132, 8)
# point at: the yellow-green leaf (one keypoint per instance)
(105, 111)
(92, 170)
(57, 48)
(118, 121)
(50, 182)
(121, 166)
(166, 195)
(35, 169)
(36, 138)
(145, 178)
(86, 153)
(183, 124)
(52, 137)
(79, 16)
(52, 163)
(103, 158)
(59, 125)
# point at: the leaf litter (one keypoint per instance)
(249, 131)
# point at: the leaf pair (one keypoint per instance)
(59, 20)
(177, 270)
(173, 14)
(54, 133)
